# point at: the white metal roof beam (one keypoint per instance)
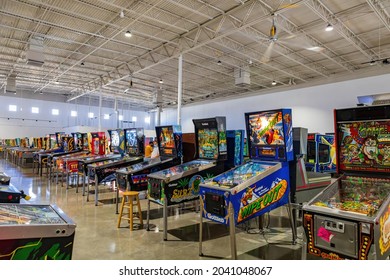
(323, 12)
(377, 7)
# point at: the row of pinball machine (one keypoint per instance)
(338, 182)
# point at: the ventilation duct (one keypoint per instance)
(158, 97)
(11, 84)
(34, 54)
(242, 77)
(377, 99)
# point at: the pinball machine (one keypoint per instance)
(104, 171)
(321, 153)
(35, 232)
(134, 177)
(180, 183)
(350, 219)
(257, 186)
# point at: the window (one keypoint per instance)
(12, 108)
(90, 115)
(147, 120)
(73, 113)
(55, 112)
(35, 110)
(106, 116)
(134, 119)
(121, 117)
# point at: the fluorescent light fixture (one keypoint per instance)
(147, 120)
(315, 49)
(120, 117)
(90, 115)
(134, 119)
(106, 116)
(73, 113)
(35, 110)
(12, 108)
(55, 112)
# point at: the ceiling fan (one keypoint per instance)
(273, 38)
(385, 61)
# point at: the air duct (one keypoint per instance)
(242, 77)
(35, 55)
(11, 84)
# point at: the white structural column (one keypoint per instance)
(179, 89)
(158, 121)
(100, 113)
(116, 113)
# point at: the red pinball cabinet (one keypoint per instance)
(350, 219)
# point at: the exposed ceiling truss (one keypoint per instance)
(87, 55)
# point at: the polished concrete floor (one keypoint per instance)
(98, 238)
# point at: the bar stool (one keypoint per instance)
(127, 202)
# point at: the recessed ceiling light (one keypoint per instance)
(329, 27)
(128, 34)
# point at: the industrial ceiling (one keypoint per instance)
(229, 48)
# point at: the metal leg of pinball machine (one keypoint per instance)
(201, 227)
(96, 190)
(148, 215)
(165, 216)
(117, 195)
(292, 222)
(232, 233)
(304, 247)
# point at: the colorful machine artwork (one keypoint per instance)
(35, 232)
(98, 143)
(350, 218)
(365, 145)
(117, 141)
(134, 141)
(321, 153)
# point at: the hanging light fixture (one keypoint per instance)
(161, 81)
(128, 34)
(329, 27)
(273, 83)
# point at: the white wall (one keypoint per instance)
(312, 107)
(23, 123)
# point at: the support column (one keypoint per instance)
(100, 112)
(179, 89)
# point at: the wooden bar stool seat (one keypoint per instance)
(129, 200)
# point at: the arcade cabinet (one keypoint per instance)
(180, 183)
(134, 177)
(235, 147)
(321, 153)
(307, 183)
(350, 219)
(35, 232)
(258, 186)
